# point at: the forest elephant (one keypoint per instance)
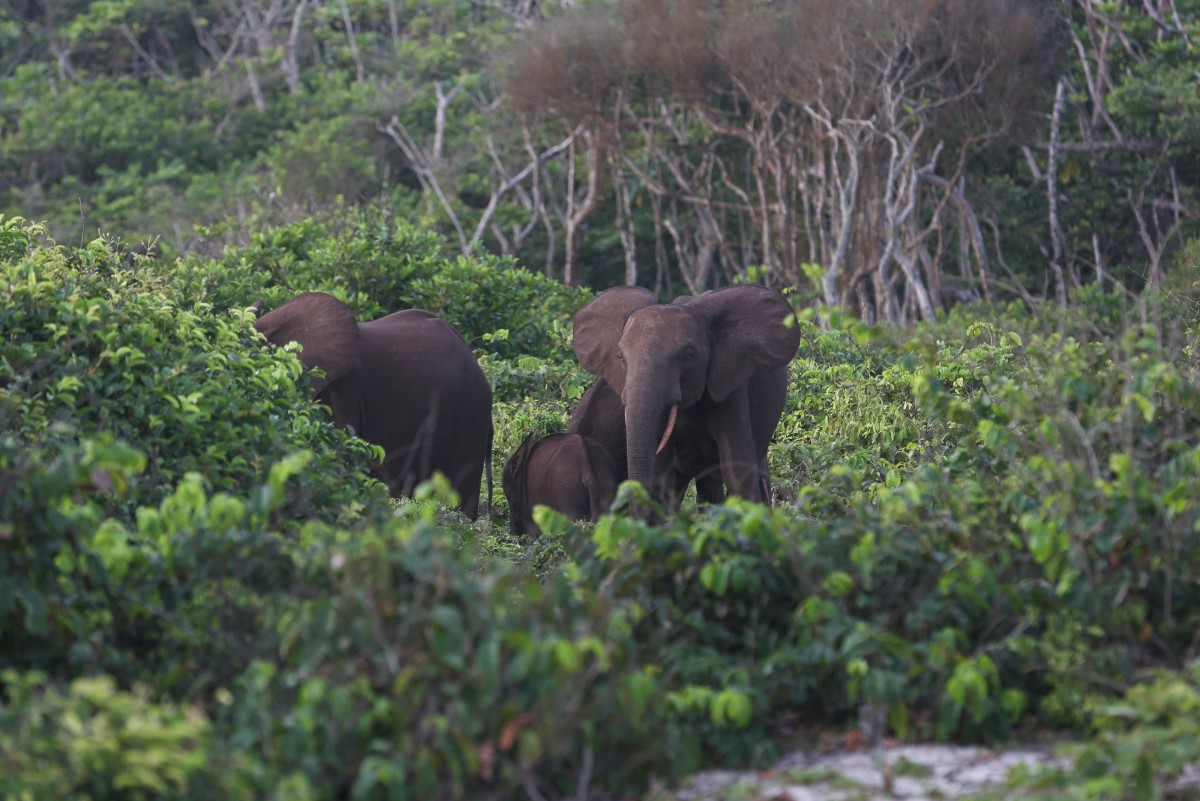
(702, 384)
(407, 382)
(569, 473)
(688, 455)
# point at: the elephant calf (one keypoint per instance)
(570, 473)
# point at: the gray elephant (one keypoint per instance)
(702, 383)
(569, 473)
(688, 455)
(407, 382)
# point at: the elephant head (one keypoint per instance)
(326, 330)
(705, 356)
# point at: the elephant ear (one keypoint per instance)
(325, 328)
(598, 328)
(753, 330)
(516, 464)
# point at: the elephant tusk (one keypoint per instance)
(670, 427)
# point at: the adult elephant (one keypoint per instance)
(707, 373)
(406, 382)
(690, 453)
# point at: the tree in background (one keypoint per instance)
(849, 150)
(896, 158)
(1122, 159)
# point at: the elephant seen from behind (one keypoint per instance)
(407, 382)
(701, 384)
(571, 474)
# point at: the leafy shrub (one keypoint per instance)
(989, 526)
(91, 740)
(117, 405)
(1030, 544)
(760, 619)
(1140, 747)
(378, 266)
(850, 403)
(92, 341)
(426, 672)
(136, 546)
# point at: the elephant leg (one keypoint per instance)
(710, 488)
(704, 464)
(670, 481)
(767, 395)
(730, 425)
(764, 486)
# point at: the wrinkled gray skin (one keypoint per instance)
(569, 473)
(688, 455)
(720, 358)
(407, 382)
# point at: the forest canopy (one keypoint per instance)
(893, 158)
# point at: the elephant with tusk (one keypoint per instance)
(700, 383)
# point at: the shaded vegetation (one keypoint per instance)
(984, 529)
(911, 156)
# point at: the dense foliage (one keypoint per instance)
(984, 528)
(910, 156)
(986, 524)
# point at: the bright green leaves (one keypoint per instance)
(1142, 745)
(92, 740)
(727, 707)
(92, 348)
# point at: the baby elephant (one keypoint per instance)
(569, 473)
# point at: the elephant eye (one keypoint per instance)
(687, 355)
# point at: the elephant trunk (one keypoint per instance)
(643, 409)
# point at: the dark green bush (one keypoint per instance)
(989, 525)
(1142, 747)
(426, 672)
(377, 266)
(93, 341)
(92, 740)
(1053, 448)
(177, 516)
(764, 620)
(116, 401)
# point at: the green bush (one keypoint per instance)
(992, 519)
(1140, 747)
(427, 671)
(378, 266)
(761, 618)
(92, 341)
(118, 404)
(91, 740)
(989, 525)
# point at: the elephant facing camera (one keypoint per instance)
(688, 391)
